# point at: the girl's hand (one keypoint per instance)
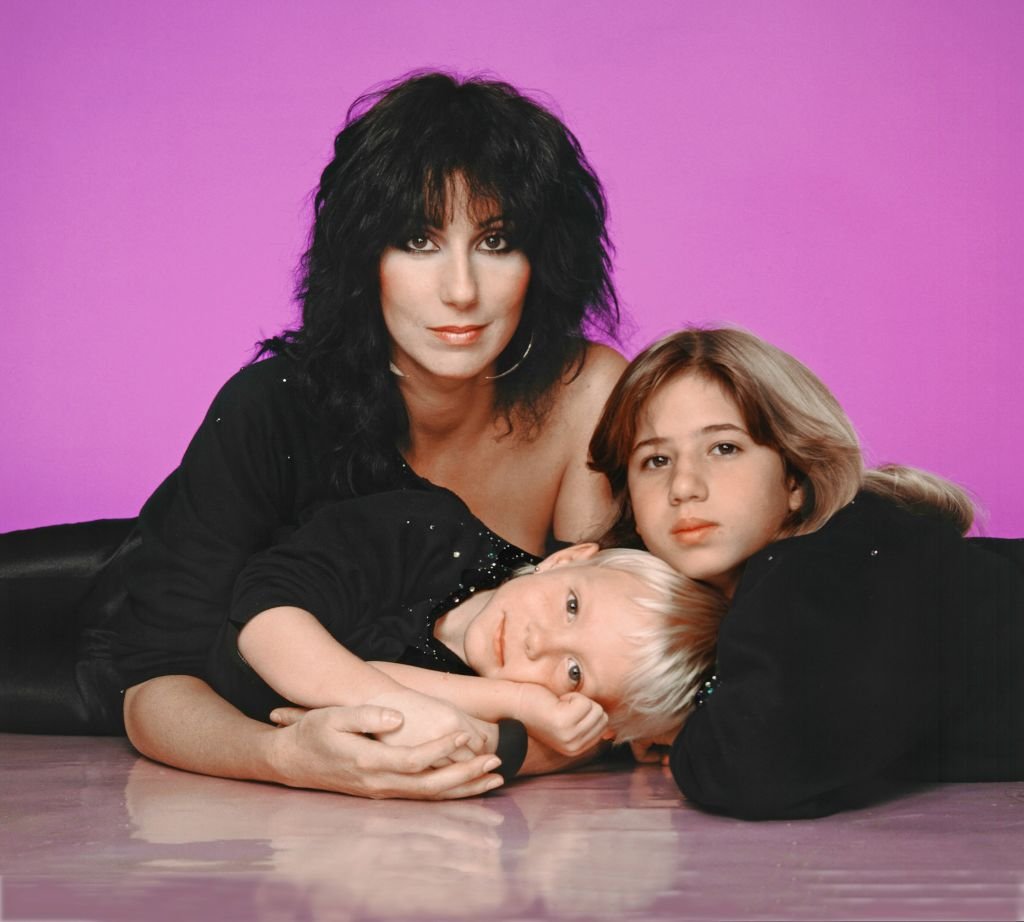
(653, 750)
(571, 724)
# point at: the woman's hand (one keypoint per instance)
(182, 722)
(329, 743)
(428, 718)
(570, 724)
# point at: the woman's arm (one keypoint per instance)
(182, 722)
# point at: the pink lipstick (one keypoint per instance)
(692, 531)
(458, 335)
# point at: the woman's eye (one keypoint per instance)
(725, 448)
(572, 606)
(419, 244)
(575, 673)
(494, 243)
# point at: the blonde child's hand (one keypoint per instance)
(570, 724)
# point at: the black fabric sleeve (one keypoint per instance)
(359, 567)
(828, 672)
(356, 560)
(235, 487)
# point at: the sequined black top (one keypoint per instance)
(884, 646)
(255, 468)
(377, 572)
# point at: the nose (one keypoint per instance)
(687, 484)
(540, 640)
(458, 281)
(530, 642)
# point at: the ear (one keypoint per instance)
(574, 554)
(796, 493)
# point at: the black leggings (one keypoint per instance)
(60, 593)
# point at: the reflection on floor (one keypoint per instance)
(90, 831)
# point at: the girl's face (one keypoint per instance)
(705, 496)
(565, 627)
(452, 297)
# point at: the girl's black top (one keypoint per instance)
(883, 646)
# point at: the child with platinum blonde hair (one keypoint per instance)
(866, 638)
(406, 600)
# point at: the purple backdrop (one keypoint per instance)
(843, 178)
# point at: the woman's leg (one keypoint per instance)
(60, 589)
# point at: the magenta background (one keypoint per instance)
(843, 178)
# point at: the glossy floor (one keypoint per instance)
(90, 831)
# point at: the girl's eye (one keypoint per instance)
(572, 606)
(420, 244)
(575, 673)
(654, 461)
(725, 448)
(495, 243)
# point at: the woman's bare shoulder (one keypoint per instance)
(587, 391)
(583, 505)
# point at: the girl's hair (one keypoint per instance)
(786, 407)
(673, 656)
(391, 176)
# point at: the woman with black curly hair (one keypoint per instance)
(457, 264)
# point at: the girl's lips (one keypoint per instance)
(458, 335)
(693, 531)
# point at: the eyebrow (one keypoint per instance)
(706, 430)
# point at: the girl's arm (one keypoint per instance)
(297, 656)
(570, 725)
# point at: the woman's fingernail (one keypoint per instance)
(494, 783)
(461, 739)
(491, 764)
(391, 717)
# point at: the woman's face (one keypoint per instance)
(452, 296)
(705, 496)
(565, 627)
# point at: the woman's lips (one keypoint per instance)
(458, 335)
(692, 531)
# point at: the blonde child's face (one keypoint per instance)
(705, 496)
(565, 627)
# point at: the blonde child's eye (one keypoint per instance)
(725, 448)
(572, 606)
(575, 673)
